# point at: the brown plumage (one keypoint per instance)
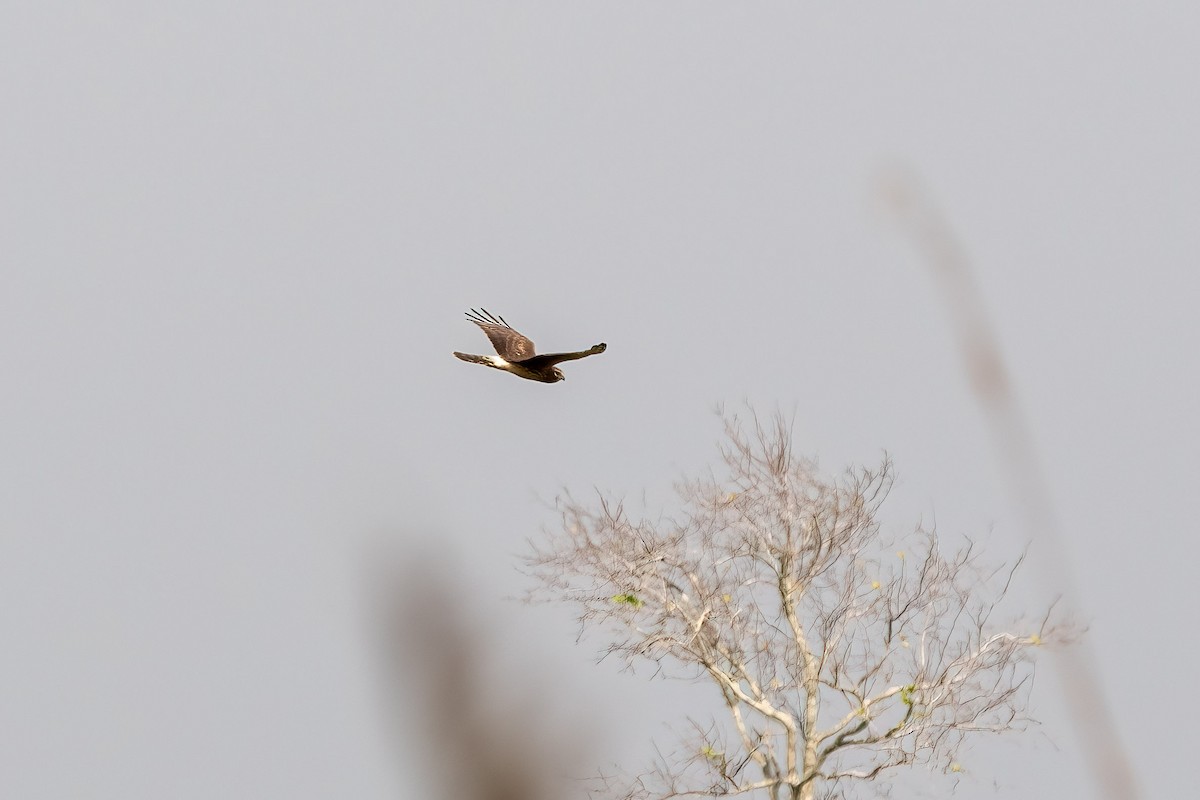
(515, 352)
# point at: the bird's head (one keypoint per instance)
(558, 375)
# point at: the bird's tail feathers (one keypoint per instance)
(473, 359)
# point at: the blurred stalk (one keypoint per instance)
(910, 205)
(477, 729)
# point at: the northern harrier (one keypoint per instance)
(515, 352)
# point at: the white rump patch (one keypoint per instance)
(497, 361)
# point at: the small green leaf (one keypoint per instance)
(628, 600)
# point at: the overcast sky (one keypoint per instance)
(237, 242)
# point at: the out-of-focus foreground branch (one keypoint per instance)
(1013, 439)
(478, 735)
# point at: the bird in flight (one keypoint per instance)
(514, 352)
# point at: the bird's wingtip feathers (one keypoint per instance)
(482, 316)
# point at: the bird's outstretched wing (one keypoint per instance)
(550, 359)
(510, 345)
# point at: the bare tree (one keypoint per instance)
(839, 654)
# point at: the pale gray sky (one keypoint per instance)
(238, 239)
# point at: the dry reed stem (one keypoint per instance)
(910, 205)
